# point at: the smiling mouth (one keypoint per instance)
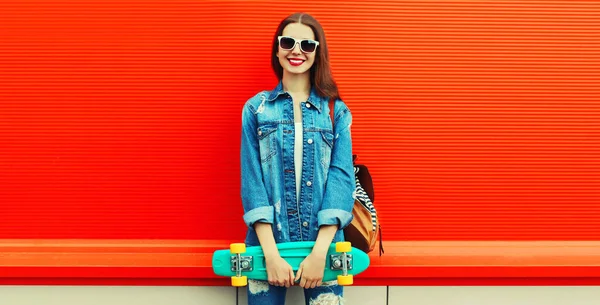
(295, 62)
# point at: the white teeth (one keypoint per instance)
(295, 61)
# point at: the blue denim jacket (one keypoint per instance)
(268, 184)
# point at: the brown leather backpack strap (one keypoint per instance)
(332, 112)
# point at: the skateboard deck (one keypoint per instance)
(242, 263)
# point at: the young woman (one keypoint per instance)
(297, 171)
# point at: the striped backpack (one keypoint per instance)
(364, 230)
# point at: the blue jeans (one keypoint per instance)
(261, 293)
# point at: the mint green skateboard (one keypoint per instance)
(241, 263)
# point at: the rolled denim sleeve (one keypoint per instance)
(254, 195)
(338, 199)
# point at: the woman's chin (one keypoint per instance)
(296, 70)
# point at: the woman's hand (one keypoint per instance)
(312, 268)
(280, 273)
(311, 271)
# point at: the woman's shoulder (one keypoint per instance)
(341, 107)
(257, 99)
(341, 104)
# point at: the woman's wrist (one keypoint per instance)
(320, 252)
(271, 254)
(267, 240)
(326, 234)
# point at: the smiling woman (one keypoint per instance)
(285, 197)
(306, 32)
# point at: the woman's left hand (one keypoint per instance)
(311, 271)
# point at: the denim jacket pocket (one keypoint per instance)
(267, 138)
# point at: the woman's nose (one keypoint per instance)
(296, 49)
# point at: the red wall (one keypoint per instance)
(121, 119)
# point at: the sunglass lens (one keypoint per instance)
(287, 43)
(308, 46)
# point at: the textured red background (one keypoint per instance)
(121, 119)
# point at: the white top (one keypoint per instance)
(298, 157)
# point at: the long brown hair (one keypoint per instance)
(321, 77)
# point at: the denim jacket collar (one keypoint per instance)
(314, 99)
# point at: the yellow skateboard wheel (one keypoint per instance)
(345, 280)
(343, 246)
(239, 281)
(237, 248)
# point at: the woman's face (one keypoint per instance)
(296, 61)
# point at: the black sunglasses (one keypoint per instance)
(289, 43)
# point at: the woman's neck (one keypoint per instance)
(296, 83)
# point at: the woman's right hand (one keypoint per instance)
(280, 272)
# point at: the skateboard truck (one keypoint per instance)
(239, 263)
(243, 263)
(337, 261)
(343, 261)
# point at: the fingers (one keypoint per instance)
(288, 278)
(271, 281)
(300, 277)
(299, 273)
(303, 283)
(308, 283)
(277, 282)
(283, 282)
(291, 277)
(311, 283)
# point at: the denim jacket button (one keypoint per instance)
(307, 105)
(305, 224)
(308, 183)
(260, 132)
(310, 141)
